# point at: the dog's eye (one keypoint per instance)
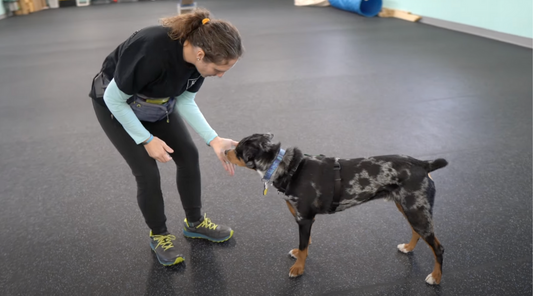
(247, 156)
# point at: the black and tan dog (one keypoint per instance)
(324, 185)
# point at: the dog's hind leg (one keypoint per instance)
(417, 209)
(435, 277)
(300, 254)
(409, 247)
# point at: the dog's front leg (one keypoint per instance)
(293, 212)
(300, 254)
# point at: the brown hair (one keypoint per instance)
(219, 39)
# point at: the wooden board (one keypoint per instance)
(404, 15)
(25, 7)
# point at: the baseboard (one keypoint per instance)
(98, 2)
(504, 37)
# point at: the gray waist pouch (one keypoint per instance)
(151, 112)
(98, 86)
(144, 108)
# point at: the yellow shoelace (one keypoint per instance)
(207, 223)
(165, 241)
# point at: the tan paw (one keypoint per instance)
(294, 253)
(296, 270)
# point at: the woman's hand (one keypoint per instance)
(159, 150)
(220, 145)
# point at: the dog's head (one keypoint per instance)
(255, 152)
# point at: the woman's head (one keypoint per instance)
(218, 43)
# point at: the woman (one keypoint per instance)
(150, 83)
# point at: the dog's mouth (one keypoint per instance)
(231, 155)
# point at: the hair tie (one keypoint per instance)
(205, 21)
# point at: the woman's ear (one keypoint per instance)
(200, 54)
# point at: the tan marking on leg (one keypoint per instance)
(435, 277)
(298, 267)
(414, 240)
(436, 274)
(430, 176)
(406, 248)
(400, 209)
(293, 212)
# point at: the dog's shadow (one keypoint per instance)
(415, 272)
(413, 275)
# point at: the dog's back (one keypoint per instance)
(362, 179)
(389, 176)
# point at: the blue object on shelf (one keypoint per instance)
(366, 8)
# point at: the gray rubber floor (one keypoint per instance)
(322, 79)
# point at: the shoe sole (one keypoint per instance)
(198, 235)
(177, 261)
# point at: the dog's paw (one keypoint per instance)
(296, 271)
(431, 280)
(294, 253)
(403, 248)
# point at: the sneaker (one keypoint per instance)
(164, 249)
(207, 230)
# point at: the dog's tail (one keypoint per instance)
(436, 164)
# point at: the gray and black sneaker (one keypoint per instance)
(207, 230)
(164, 249)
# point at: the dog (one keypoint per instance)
(325, 185)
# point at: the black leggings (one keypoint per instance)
(144, 168)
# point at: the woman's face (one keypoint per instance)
(212, 69)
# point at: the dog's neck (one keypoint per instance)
(271, 171)
(286, 168)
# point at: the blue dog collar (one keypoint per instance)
(274, 166)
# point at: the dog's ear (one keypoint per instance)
(269, 136)
(267, 145)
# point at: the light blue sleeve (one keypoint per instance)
(189, 111)
(115, 100)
